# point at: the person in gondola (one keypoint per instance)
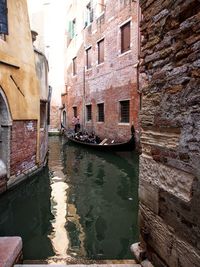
(76, 123)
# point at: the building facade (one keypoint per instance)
(19, 95)
(101, 67)
(169, 187)
(50, 41)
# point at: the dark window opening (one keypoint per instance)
(3, 18)
(124, 111)
(75, 111)
(125, 37)
(89, 58)
(64, 118)
(89, 112)
(100, 51)
(100, 112)
(74, 66)
(43, 117)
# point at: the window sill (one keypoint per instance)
(125, 53)
(89, 69)
(100, 64)
(100, 122)
(124, 123)
(100, 15)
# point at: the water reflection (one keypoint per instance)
(84, 205)
(26, 212)
(103, 188)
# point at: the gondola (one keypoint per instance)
(125, 146)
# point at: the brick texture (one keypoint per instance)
(110, 82)
(23, 146)
(169, 165)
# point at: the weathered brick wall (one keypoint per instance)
(112, 81)
(23, 146)
(170, 119)
(54, 117)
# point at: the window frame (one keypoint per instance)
(74, 66)
(99, 112)
(99, 42)
(4, 20)
(124, 118)
(123, 49)
(75, 111)
(43, 114)
(89, 112)
(88, 66)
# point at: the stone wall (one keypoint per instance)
(170, 120)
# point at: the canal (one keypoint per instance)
(83, 205)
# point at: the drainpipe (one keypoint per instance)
(84, 93)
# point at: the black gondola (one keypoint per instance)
(125, 146)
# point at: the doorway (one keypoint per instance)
(5, 131)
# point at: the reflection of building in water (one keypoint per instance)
(75, 232)
(26, 212)
(104, 194)
(58, 236)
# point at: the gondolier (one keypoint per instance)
(76, 123)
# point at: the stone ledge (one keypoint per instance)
(138, 251)
(10, 250)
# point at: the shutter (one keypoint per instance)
(3, 17)
(70, 29)
(91, 15)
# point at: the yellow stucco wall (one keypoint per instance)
(17, 50)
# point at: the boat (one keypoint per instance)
(103, 146)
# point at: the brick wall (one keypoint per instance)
(112, 81)
(23, 146)
(170, 116)
(54, 117)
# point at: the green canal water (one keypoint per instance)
(83, 205)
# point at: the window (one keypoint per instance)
(43, 117)
(72, 28)
(74, 66)
(89, 16)
(64, 118)
(100, 112)
(124, 111)
(89, 58)
(75, 111)
(3, 18)
(125, 37)
(89, 112)
(100, 51)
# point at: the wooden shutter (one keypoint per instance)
(89, 112)
(88, 58)
(101, 112)
(125, 37)
(74, 66)
(101, 51)
(3, 17)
